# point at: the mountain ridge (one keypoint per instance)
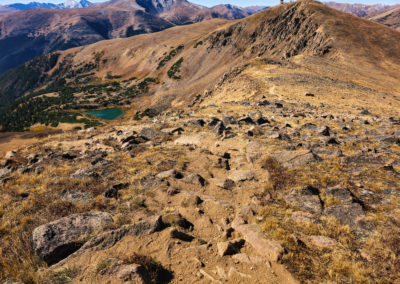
(29, 33)
(323, 32)
(69, 4)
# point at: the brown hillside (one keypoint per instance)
(30, 33)
(301, 31)
(389, 18)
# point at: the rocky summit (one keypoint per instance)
(263, 150)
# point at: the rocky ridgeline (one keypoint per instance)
(210, 187)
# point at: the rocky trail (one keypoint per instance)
(246, 192)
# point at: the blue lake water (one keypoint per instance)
(107, 114)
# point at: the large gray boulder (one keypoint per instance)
(56, 240)
(292, 159)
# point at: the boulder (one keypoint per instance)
(214, 121)
(325, 131)
(340, 193)
(306, 198)
(191, 201)
(302, 217)
(56, 240)
(166, 174)
(224, 183)
(133, 272)
(153, 135)
(291, 159)
(110, 238)
(10, 154)
(219, 129)
(176, 219)
(348, 214)
(270, 249)
(245, 120)
(241, 175)
(195, 179)
(188, 140)
(230, 247)
(262, 120)
(228, 120)
(197, 122)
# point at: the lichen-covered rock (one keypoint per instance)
(291, 159)
(56, 240)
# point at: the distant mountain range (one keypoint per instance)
(360, 10)
(69, 4)
(388, 15)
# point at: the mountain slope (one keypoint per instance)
(302, 31)
(5, 10)
(29, 33)
(390, 18)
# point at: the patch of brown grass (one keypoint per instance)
(280, 178)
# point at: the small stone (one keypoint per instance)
(195, 179)
(10, 154)
(325, 131)
(172, 191)
(191, 200)
(332, 141)
(219, 129)
(245, 120)
(176, 219)
(322, 242)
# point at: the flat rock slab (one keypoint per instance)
(241, 175)
(56, 240)
(188, 140)
(270, 249)
(291, 159)
(310, 203)
(348, 214)
(110, 238)
(322, 242)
